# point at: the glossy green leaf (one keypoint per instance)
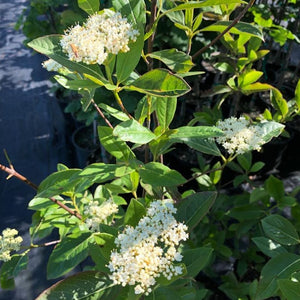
(205, 3)
(157, 174)
(126, 62)
(114, 145)
(275, 188)
(134, 212)
(268, 247)
(279, 267)
(132, 131)
(280, 230)
(279, 102)
(255, 88)
(297, 94)
(89, 285)
(11, 269)
(177, 61)
(290, 289)
(38, 203)
(249, 77)
(257, 166)
(186, 132)
(114, 112)
(207, 146)
(71, 251)
(259, 194)
(240, 28)
(165, 109)
(194, 207)
(196, 259)
(245, 160)
(270, 130)
(133, 10)
(160, 82)
(75, 85)
(50, 46)
(89, 6)
(57, 183)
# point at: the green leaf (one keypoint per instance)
(135, 211)
(75, 85)
(257, 166)
(114, 145)
(160, 82)
(90, 285)
(249, 77)
(268, 247)
(57, 183)
(275, 188)
(245, 160)
(126, 62)
(11, 269)
(240, 28)
(133, 131)
(71, 251)
(279, 267)
(207, 146)
(297, 94)
(177, 61)
(290, 289)
(89, 6)
(165, 109)
(279, 102)
(133, 10)
(157, 174)
(205, 3)
(270, 129)
(256, 87)
(196, 259)
(186, 132)
(194, 207)
(259, 194)
(38, 203)
(114, 112)
(280, 230)
(50, 46)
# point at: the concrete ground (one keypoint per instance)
(32, 130)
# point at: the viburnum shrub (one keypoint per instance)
(147, 233)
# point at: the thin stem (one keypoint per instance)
(120, 103)
(14, 173)
(101, 114)
(151, 38)
(234, 22)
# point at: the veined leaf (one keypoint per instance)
(239, 28)
(165, 109)
(159, 82)
(133, 131)
(89, 6)
(196, 132)
(176, 60)
(157, 174)
(89, 285)
(68, 254)
(134, 212)
(290, 289)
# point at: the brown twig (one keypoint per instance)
(151, 38)
(101, 114)
(13, 173)
(234, 22)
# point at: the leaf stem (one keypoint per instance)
(120, 103)
(234, 22)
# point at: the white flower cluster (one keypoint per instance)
(148, 250)
(100, 35)
(8, 243)
(239, 135)
(98, 213)
(51, 65)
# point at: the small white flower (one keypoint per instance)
(51, 65)
(100, 35)
(8, 243)
(98, 213)
(239, 135)
(148, 250)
